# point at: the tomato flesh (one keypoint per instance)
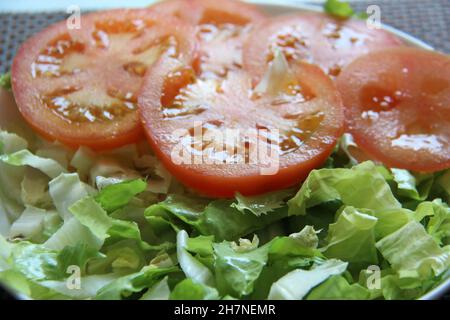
(397, 107)
(316, 38)
(80, 86)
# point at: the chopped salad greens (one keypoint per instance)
(79, 225)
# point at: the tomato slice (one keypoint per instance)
(398, 107)
(222, 28)
(316, 38)
(209, 131)
(79, 86)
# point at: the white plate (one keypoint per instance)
(11, 119)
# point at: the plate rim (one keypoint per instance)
(442, 288)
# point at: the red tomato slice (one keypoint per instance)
(79, 86)
(222, 28)
(398, 107)
(190, 121)
(315, 38)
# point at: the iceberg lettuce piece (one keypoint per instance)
(25, 158)
(362, 186)
(296, 284)
(352, 238)
(413, 253)
(65, 190)
(191, 267)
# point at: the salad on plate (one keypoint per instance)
(198, 149)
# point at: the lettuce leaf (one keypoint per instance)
(338, 288)
(25, 158)
(118, 195)
(217, 218)
(191, 290)
(5, 80)
(237, 270)
(159, 291)
(65, 190)
(90, 214)
(35, 224)
(438, 225)
(362, 186)
(421, 258)
(191, 267)
(125, 286)
(337, 8)
(415, 187)
(262, 204)
(352, 238)
(296, 284)
(71, 233)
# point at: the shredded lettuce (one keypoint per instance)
(296, 284)
(131, 231)
(125, 286)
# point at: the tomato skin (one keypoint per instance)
(198, 12)
(396, 104)
(28, 89)
(315, 38)
(224, 180)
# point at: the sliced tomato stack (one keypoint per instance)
(328, 42)
(398, 107)
(230, 100)
(80, 86)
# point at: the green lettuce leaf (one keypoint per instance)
(237, 269)
(125, 286)
(438, 225)
(35, 224)
(90, 214)
(65, 190)
(191, 267)
(118, 195)
(25, 158)
(338, 288)
(362, 186)
(352, 238)
(413, 253)
(296, 284)
(5, 81)
(416, 187)
(262, 204)
(215, 218)
(159, 291)
(337, 8)
(71, 233)
(191, 290)
(78, 255)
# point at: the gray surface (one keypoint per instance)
(428, 20)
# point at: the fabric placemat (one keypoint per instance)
(428, 20)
